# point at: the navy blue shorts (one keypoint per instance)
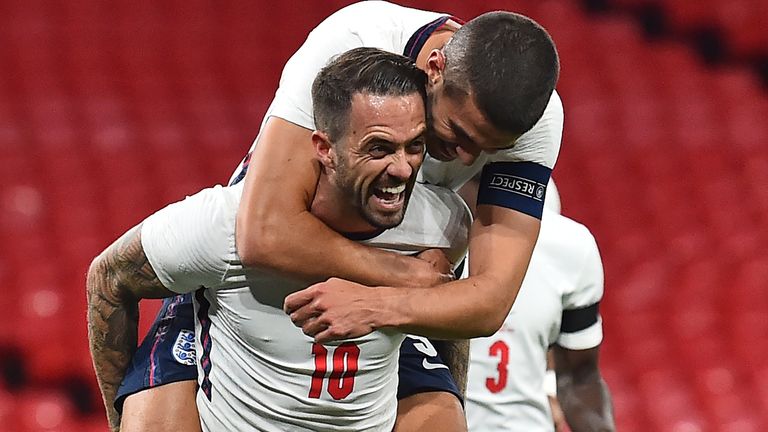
(422, 370)
(167, 355)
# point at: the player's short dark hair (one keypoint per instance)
(509, 63)
(361, 70)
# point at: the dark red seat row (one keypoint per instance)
(110, 112)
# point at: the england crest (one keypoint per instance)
(184, 348)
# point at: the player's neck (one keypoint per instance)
(436, 41)
(335, 211)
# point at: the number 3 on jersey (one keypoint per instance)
(342, 379)
(501, 350)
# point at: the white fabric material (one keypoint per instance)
(565, 273)
(550, 383)
(262, 364)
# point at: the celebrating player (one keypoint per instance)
(489, 88)
(491, 105)
(258, 371)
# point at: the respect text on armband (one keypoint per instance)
(518, 185)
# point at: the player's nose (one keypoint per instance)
(400, 167)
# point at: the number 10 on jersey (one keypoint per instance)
(341, 381)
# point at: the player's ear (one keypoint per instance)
(323, 148)
(435, 67)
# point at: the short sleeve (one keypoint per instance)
(581, 325)
(541, 144)
(365, 24)
(191, 243)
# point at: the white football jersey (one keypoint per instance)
(397, 29)
(256, 370)
(506, 371)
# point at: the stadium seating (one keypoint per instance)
(109, 111)
(741, 23)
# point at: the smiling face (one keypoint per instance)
(458, 129)
(374, 164)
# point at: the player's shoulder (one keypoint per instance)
(570, 251)
(541, 144)
(375, 9)
(560, 224)
(565, 238)
(369, 6)
(549, 124)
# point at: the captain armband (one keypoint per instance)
(518, 186)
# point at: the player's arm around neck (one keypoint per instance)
(276, 231)
(581, 390)
(116, 280)
(501, 244)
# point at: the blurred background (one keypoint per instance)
(110, 110)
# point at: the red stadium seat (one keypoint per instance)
(45, 410)
(110, 111)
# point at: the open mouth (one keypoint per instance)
(391, 197)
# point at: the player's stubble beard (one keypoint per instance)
(359, 194)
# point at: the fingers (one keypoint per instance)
(332, 334)
(447, 277)
(321, 330)
(437, 258)
(325, 336)
(314, 326)
(303, 315)
(299, 299)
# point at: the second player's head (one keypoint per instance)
(369, 109)
(489, 85)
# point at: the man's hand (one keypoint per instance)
(340, 309)
(440, 264)
(334, 309)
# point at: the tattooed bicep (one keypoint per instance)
(128, 264)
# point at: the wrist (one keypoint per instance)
(389, 313)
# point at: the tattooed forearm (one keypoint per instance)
(116, 280)
(455, 354)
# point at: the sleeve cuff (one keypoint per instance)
(588, 338)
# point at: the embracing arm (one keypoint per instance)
(501, 243)
(581, 390)
(117, 279)
(276, 231)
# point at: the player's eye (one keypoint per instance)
(379, 151)
(415, 147)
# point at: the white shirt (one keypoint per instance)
(257, 371)
(506, 371)
(389, 27)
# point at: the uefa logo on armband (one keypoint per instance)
(184, 348)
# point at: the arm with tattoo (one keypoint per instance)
(117, 279)
(455, 354)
